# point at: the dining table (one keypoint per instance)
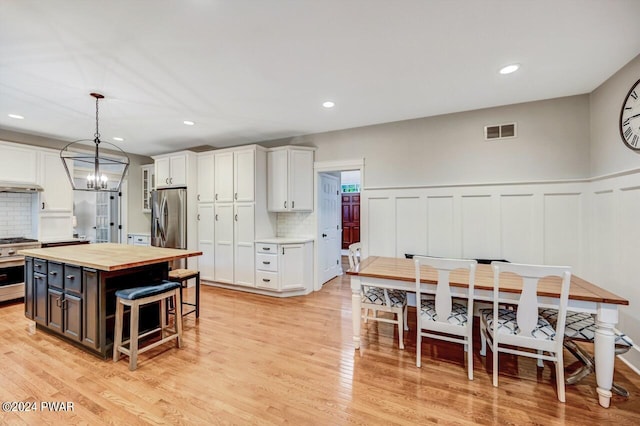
(399, 273)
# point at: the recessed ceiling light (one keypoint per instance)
(189, 123)
(115, 138)
(328, 104)
(509, 69)
(16, 116)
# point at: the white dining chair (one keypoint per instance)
(439, 316)
(376, 299)
(511, 330)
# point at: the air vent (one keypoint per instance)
(500, 131)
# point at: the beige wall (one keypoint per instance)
(552, 143)
(136, 220)
(608, 153)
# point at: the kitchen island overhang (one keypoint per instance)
(70, 290)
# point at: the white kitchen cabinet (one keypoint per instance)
(18, 163)
(290, 179)
(224, 247)
(58, 193)
(244, 235)
(206, 242)
(206, 175)
(235, 173)
(148, 185)
(139, 239)
(172, 170)
(285, 267)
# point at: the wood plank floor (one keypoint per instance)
(259, 360)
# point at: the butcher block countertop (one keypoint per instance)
(109, 256)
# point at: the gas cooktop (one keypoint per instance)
(16, 240)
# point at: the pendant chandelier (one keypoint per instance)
(104, 172)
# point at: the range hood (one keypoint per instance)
(19, 187)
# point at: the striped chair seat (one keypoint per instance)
(458, 314)
(375, 296)
(507, 323)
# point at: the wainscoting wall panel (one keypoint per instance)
(411, 224)
(563, 240)
(441, 235)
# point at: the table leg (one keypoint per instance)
(356, 309)
(604, 348)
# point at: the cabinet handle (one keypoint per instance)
(37, 278)
(236, 217)
(198, 197)
(216, 217)
(282, 250)
(266, 248)
(266, 280)
(64, 304)
(216, 197)
(285, 204)
(58, 304)
(235, 196)
(171, 180)
(266, 263)
(166, 181)
(71, 277)
(198, 217)
(293, 204)
(54, 273)
(43, 205)
(38, 265)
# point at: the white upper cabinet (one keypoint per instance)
(223, 182)
(148, 185)
(171, 170)
(58, 193)
(18, 164)
(290, 179)
(206, 187)
(235, 176)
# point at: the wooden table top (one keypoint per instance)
(404, 270)
(109, 256)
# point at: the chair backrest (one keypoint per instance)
(528, 307)
(355, 250)
(443, 290)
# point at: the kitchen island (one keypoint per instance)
(70, 290)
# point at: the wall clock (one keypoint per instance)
(630, 118)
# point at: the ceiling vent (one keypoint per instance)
(500, 131)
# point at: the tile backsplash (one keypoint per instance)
(15, 215)
(295, 224)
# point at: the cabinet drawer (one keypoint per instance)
(73, 279)
(268, 280)
(267, 262)
(55, 274)
(266, 248)
(40, 266)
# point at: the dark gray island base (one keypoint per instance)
(74, 298)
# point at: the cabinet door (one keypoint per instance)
(90, 308)
(292, 266)
(244, 263)
(277, 182)
(206, 189)
(72, 314)
(40, 298)
(58, 193)
(244, 173)
(301, 180)
(163, 172)
(223, 250)
(28, 287)
(148, 185)
(223, 181)
(54, 309)
(18, 164)
(178, 170)
(206, 243)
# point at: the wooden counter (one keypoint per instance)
(70, 290)
(109, 256)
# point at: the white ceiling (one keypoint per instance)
(255, 70)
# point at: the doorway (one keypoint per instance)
(328, 251)
(350, 199)
(97, 216)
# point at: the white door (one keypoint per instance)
(244, 254)
(58, 193)
(223, 236)
(178, 166)
(206, 241)
(292, 267)
(328, 241)
(163, 172)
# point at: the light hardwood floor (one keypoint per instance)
(260, 360)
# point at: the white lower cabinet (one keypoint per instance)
(234, 225)
(206, 242)
(284, 267)
(139, 239)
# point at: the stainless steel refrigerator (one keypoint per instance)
(169, 218)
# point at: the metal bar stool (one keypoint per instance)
(135, 298)
(183, 276)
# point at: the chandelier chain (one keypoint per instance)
(97, 135)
